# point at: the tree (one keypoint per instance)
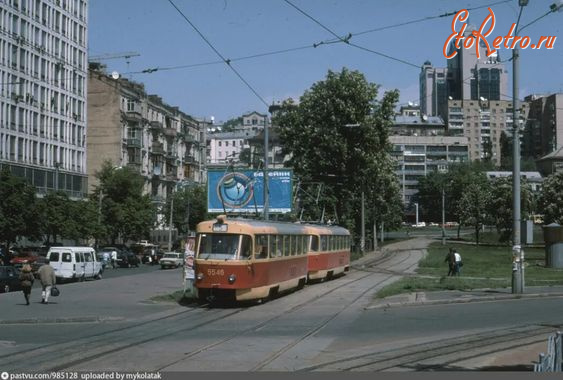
(551, 199)
(500, 205)
(473, 206)
(338, 136)
(19, 214)
(57, 216)
(190, 208)
(126, 212)
(229, 125)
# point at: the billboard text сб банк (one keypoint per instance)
(243, 191)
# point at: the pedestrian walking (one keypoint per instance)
(458, 263)
(26, 281)
(113, 259)
(450, 259)
(48, 279)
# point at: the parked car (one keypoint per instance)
(74, 263)
(9, 279)
(127, 260)
(171, 260)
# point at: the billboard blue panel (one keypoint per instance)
(243, 191)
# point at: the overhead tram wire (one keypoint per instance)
(346, 39)
(227, 61)
(314, 45)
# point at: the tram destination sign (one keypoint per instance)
(243, 191)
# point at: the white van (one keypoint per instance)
(74, 263)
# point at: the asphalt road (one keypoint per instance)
(112, 324)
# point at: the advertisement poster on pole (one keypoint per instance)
(189, 259)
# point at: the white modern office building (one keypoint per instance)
(43, 70)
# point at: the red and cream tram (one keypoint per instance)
(241, 259)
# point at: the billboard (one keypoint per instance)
(243, 191)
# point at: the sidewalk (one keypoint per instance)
(112, 299)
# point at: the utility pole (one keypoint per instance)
(57, 166)
(170, 223)
(363, 238)
(443, 216)
(517, 253)
(266, 193)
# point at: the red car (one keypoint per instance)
(28, 257)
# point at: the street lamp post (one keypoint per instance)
(170, 222)
(416, 206)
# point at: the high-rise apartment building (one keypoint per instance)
(134, 129)
(543, 132)
(433, 90)
(43, 70)
(482, 122)
(472, 77)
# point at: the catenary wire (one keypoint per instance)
(309, 46)
(227, 61)
(346, 39)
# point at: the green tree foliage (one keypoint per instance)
(229, 125)
(126, 212)
(473, 206)
(454, 182)
(551, 199)
(190, 208)
(500, 205)
(338, 136)
(19, 214)
(57, 215)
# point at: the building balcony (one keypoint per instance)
(157, 149)
(135, 165)
(134, 115)
(171, 155)
(134, 143)
(155, 125)
(170, 132)
(189, 159)
(171, 177)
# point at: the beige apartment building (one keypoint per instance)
(483, 122)
(131, 128)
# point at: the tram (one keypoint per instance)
(242, 259)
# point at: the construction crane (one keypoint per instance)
(104, 57)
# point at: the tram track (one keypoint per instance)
(78, 352)
(439, 354)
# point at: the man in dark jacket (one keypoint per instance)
(26, 280)
(48, 279)
(450, 259)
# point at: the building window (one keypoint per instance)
(219, 143)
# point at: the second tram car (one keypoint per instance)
(241, 259)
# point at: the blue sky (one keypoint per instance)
(240, 28)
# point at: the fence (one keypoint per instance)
(551, 362)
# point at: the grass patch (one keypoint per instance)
(483, 267)
(175, 297)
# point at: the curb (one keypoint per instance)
(423, 301)
(96, 319)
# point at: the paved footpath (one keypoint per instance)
(509, 358)
(109, 299)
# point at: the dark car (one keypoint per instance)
(9, 279)
(127, 259)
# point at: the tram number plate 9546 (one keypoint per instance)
(215, 272)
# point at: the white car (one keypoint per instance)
(171, 260)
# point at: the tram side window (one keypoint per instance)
(324, 245)
(314, 243)
(286, 244)
(245, 248)
(297, 245)
(272, 249)
(261, 249)
(279, 245)
(304, 244)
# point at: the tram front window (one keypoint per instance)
(218, 246)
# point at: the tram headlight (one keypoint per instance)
(232, 278)
(199, 276)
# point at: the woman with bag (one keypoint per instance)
(48, 280)
(26, 279)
